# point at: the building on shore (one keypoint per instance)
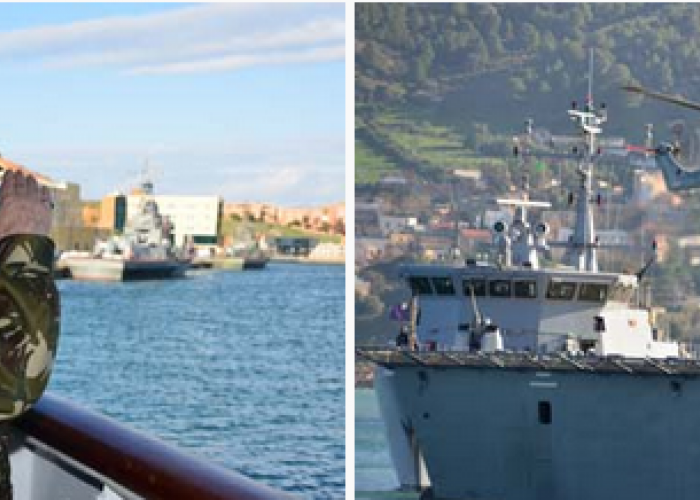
(325, 219)
(297, 247)
(113, 212)
(198, 217)
(328, 252)
(69, 228)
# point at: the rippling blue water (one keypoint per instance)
(243, 368)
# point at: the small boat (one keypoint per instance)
(249, 247)
(255, 260)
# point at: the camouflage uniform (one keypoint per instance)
(29, 321)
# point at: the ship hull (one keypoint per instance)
(218, 263)
(92, 269)
(528, 434)
(405, 455)
(255, 262)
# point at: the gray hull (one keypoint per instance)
(255, 262)
(527, 434)
(93, 269)
(409, 466)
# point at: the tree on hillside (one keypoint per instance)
(424, 62)
(531, 37)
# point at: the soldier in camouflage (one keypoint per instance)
(29, 307)
(29, 303)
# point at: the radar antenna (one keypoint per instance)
(581, 249)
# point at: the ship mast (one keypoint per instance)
(581, 250)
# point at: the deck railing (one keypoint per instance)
(132, 460)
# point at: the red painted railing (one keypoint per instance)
(136, 461)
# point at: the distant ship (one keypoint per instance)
(249, 247)
(145, 251)
(255, 260)
(519, 382)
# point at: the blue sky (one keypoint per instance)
(246, 101)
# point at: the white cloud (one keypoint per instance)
(233, 62)
(207, 37)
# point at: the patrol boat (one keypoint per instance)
(520, 382)
(144, 251)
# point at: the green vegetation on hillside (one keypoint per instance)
(440, 84)
(231, 226)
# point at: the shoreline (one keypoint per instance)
(305, 260)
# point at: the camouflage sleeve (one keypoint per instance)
(29, 321)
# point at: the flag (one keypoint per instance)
(400, 312)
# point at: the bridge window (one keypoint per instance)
(562, 290)
(443, 286)
(479, 286)
(499, 288)
(525, 289)
(420, 285)
(593, 292)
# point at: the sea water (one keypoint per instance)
(374, 473)
(244, 368)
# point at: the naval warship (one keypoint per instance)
(523, 382)
(145, 250)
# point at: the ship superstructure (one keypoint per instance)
(569, 307)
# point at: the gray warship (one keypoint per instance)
(145, 250)
(520, 382)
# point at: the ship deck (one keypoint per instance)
(524, 361)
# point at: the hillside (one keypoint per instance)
(443, 85)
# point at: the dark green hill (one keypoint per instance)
(438, 82)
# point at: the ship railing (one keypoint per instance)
(58, 447)
(523, 360)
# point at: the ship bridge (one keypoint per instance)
(541, 310)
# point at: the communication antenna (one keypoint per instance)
(589, 96)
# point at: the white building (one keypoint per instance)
(391, 223)
(196, 216)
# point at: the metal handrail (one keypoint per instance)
(135, 461)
